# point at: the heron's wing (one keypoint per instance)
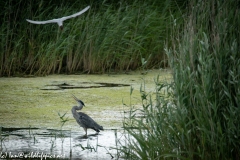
(76, 14)
(87, 121)
(43, 22)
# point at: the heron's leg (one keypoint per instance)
(85, 131)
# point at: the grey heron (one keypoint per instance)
(83, 119)
(59, 21)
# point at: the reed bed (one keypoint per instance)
(198, 116)
(111, 36)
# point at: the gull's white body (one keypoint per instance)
(59, 21)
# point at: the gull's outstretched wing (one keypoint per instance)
(43, 22)
(59, 21)
(76, 14)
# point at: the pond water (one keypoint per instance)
(31, 111)
(32, 143)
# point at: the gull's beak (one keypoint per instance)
(75, 97)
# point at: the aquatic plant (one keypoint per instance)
(2, 138)
(53, 142)
(63, 120)
(89, 147)
(198, 117)
(107, 152)
(32, 135)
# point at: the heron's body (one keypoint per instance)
(83, 119)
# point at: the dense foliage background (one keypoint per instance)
(198, 116)
(111, 36)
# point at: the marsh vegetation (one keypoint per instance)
(111, 36)
(195, 115)
(198, 118)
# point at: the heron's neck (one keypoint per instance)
(75, 108)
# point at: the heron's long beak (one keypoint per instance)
(75, 97)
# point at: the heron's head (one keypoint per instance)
(78, 100)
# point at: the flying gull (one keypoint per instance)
(59, 21)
